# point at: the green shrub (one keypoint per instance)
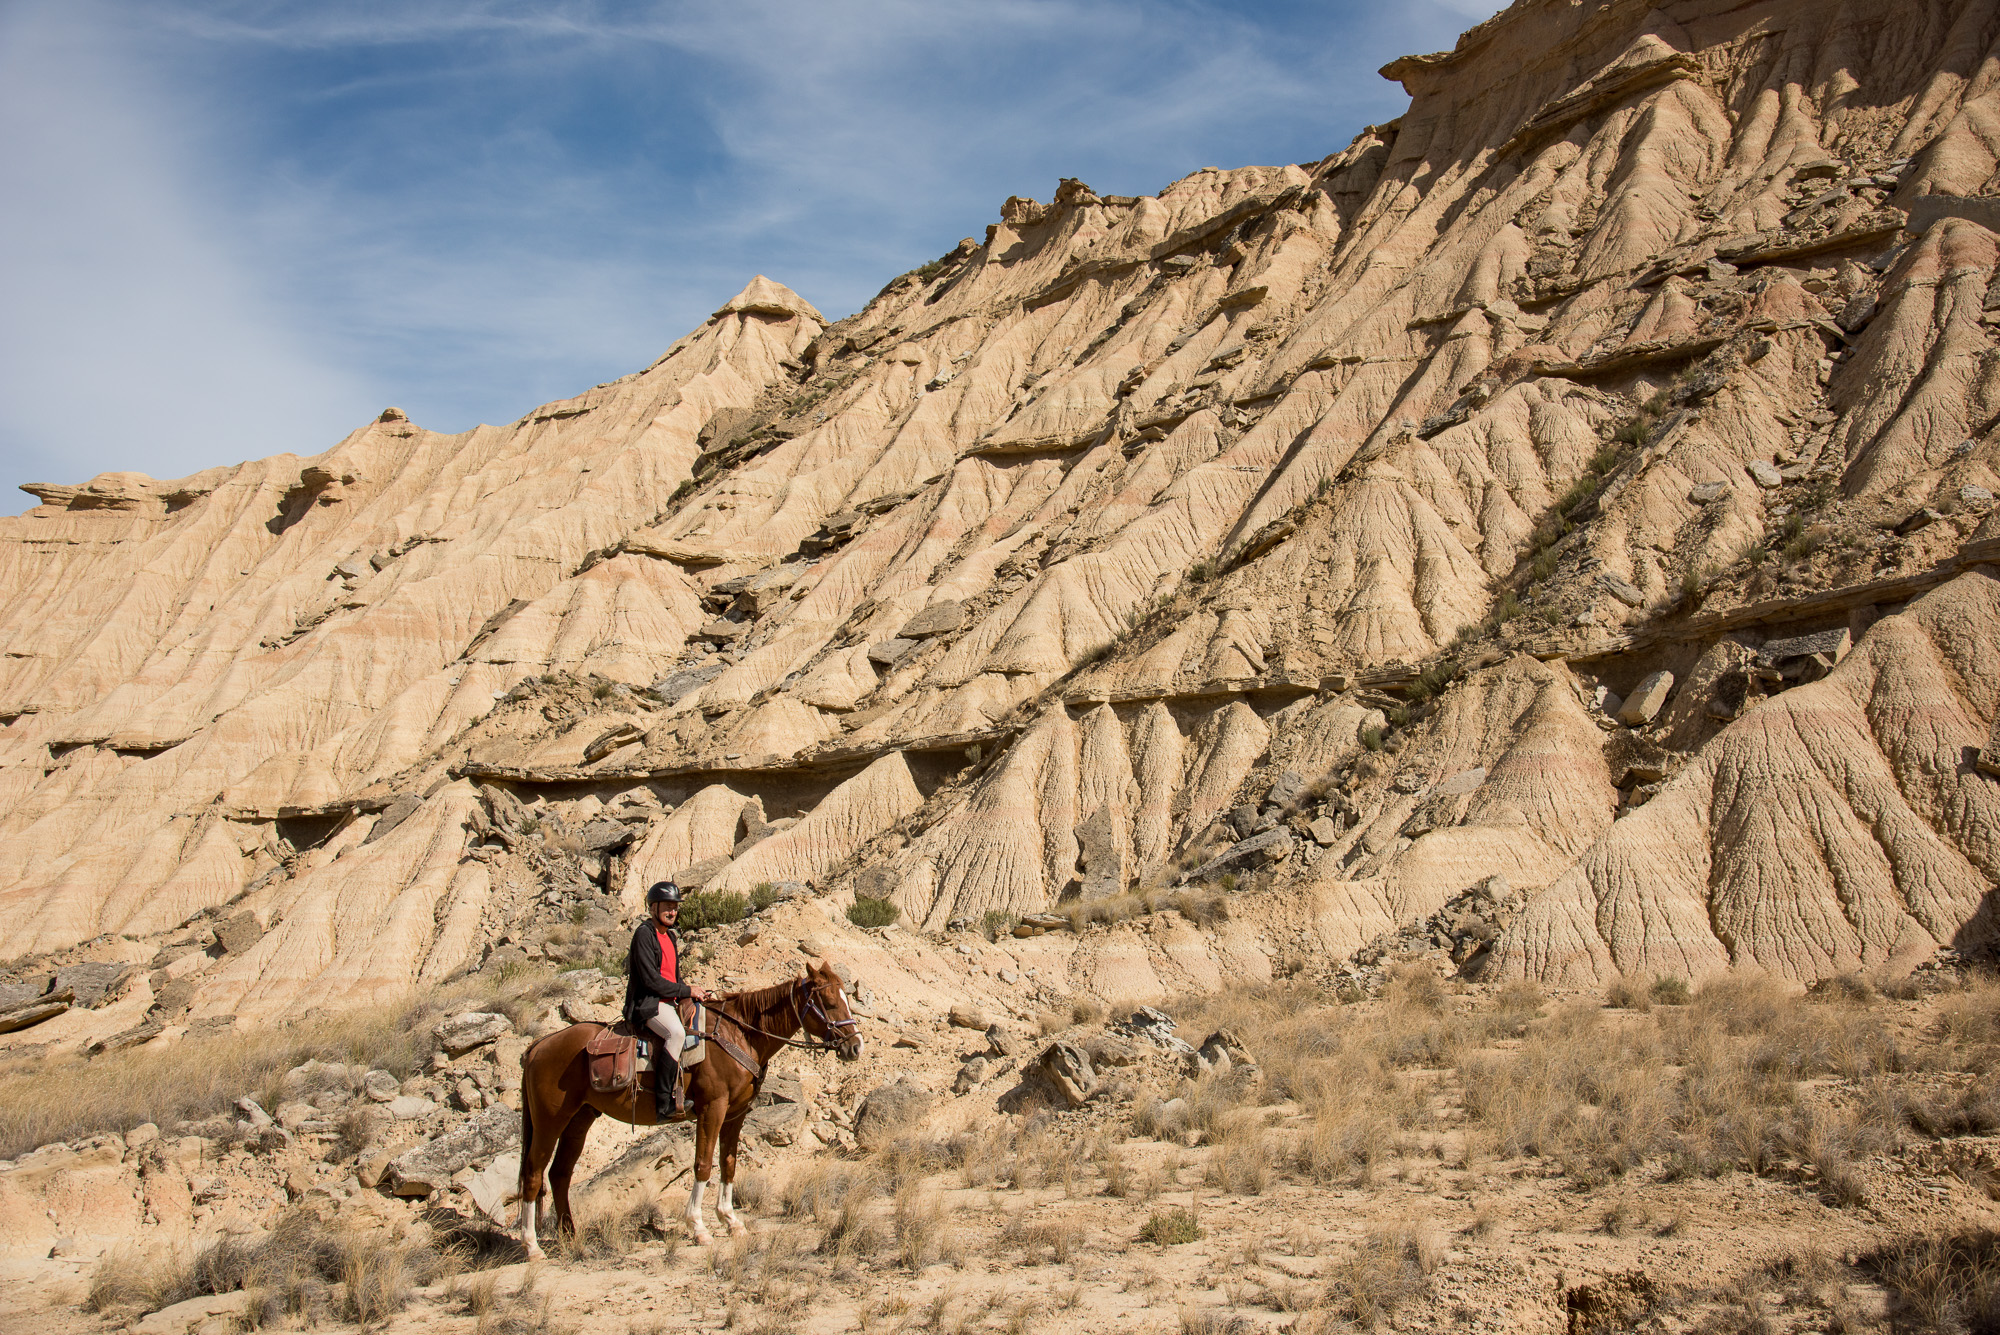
(1171, 1227)
(1372, 738)
(711, 908)
(1200, 572)
(865, 912)
(997, 922)
(1670, 991)
(762, 896)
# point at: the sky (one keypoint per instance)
(237, 228)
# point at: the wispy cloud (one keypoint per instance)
(467, 208)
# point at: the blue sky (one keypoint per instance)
(235, 229)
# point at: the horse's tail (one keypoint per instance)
(527, 1125)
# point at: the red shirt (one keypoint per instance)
(670, 965)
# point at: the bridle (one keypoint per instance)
(805, 1001)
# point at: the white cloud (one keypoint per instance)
(285, 216)
(133, 338)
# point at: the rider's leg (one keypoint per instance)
(666, 1023)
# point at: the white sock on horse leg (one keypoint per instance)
(528, 1238)
(693, 1210)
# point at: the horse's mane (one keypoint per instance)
(762, 999)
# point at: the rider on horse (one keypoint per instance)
(654, 989)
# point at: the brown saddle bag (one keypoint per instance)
(611, 1053)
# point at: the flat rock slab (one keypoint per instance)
(940, 618)
(463, 1033)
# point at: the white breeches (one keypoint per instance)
(666, 1022)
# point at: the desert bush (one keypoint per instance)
(294, 1266)
(1942, 1285)
(712, 908)
(1171, 1227)
(762, 896)
(864, 912)
(996, 923)
(1670, 991)
(923, 1235)
(1059, 1239)
(67, 1098)
(1629, 994)
(1200, 909)
(1208, 1321)
(1383, 1273)
(1415, 985)
(1241, 1161)
(1087, 1010)
(614, 1233)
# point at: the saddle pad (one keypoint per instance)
(694, 1049)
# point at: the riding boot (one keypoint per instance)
(666, 1090)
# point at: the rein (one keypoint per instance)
(818, 1011)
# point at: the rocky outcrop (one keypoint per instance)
(1021, 584)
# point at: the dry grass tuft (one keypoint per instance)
(46, 1099)
(1942, 1285)
(293, 1269)
(923, 1235)
(1388, 1270)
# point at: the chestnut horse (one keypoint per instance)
(558, 1105)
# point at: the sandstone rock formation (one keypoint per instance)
(1648, 334)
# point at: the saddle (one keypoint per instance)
(619, 1057)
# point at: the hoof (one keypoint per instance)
(737, 1229)
(537, 1254)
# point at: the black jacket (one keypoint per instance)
(644, 988)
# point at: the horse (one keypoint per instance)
(558, 1105)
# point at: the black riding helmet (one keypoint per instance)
(663, 892)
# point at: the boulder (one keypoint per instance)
(889, 652)
(1763, 474)
(1324, 831)
(940, 618)
(970, 1076)
(1260, 849)
(239, 932)
(1063, 1070)
(1647, 699)
(890, 1110)
(1706, 493)
(94, 984)
(604, 835)
(480, 1138)
(1623, 590)
(462, 1033)
(969, 1017)
(27, 1014)
(672, 688)
(619, 735)
(399, 810)
(493, 1188)
(370, 1167)
(776, 1123)
(409, 1107)
(696, 875)
(381, 1086)
(780, 1088)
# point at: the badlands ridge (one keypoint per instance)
(1585, 479)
